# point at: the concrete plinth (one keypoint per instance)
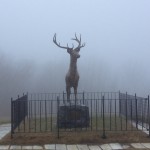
(73, 116)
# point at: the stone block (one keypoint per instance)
(73, 116)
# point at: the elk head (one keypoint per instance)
(74, 52)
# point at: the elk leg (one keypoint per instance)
(75, 93)
(68, 93)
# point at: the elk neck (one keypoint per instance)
(73, 66)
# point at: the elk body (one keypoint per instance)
(72, 76)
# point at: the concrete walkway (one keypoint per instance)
(4, 129)
(110, 146)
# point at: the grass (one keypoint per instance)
(76, 136)
(4, 121)
(49, 124)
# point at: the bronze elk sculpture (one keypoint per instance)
(72, 76)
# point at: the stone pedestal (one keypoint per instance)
(73, 116)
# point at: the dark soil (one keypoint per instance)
(75, 138)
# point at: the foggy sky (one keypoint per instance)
(116, 56)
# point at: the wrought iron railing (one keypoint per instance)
(107, 111)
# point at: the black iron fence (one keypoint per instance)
(135, 108)
(19, 111)
(104, 111)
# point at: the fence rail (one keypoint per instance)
(107, 111)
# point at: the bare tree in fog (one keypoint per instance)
(72, 77)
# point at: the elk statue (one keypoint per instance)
(72, 76)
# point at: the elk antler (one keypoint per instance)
(54, 40)
(79, 42)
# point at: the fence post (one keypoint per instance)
(136, 112)
(58, 117)
(27, 105)
(12, 118)
(119, 105)
(45, 115)
(63, 97)
(91, 114)
(83, 97)
(126, 109)
(148, 116)
(103, 103)
(24, 114)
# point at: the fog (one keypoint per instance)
(115, 57)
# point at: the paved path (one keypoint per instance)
(4, 129)
(110, 146)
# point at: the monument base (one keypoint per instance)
(73, 116)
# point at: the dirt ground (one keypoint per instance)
(75, 138)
